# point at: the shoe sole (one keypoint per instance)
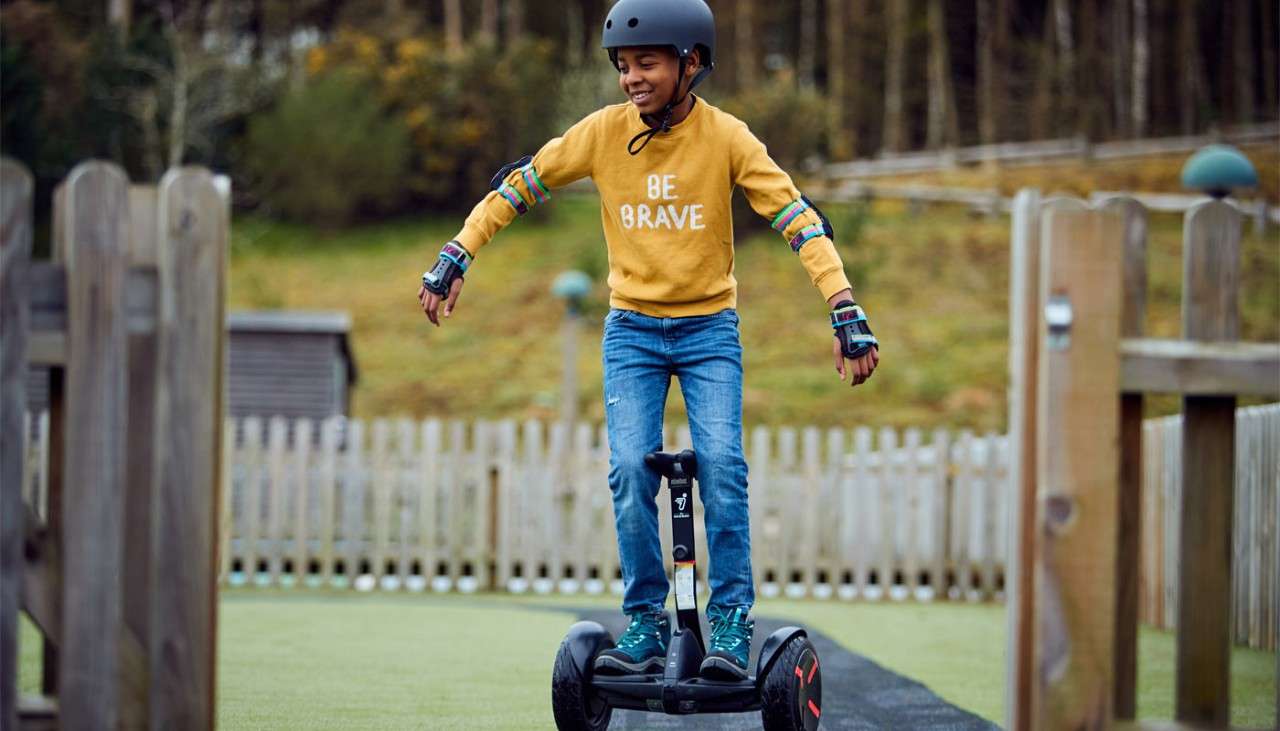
(611, 664)
(718, 668)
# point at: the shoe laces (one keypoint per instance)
(641, 628)
(729, 631)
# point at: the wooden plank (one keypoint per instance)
(1172, 469)
(811, 489)
(867, 503)
(506, 540)
(429, 497)
(787, 510)
(355, 489)
(989, 512)
(227, 519)
(962, 516)
(277, 490)
(1210, 311)
(911, 486)
(941, 446)
(1077, 464)
(381, 483)
(889, 494)
(96, 222)
(452, 506)
(762, 535)
(1129, 506)
(536, 502)
(327, 488)
(15, 316)
(304, 434)
(1200, 368)
(194, 230)
(251, 507)
(610, 573)
(477, 550)
(1024, 318)
(405, 496)
(831, 540)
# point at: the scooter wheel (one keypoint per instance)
(791, 696)
(573, 703)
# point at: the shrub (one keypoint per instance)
(328, 152)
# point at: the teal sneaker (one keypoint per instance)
(641, 649)
(730, 644)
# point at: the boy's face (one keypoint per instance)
(647, 75)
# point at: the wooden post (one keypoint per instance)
(15, 316)
(193, 226)
(96, 224)
(1024, 303)
(1129, 548)
(138, 475)
(1076, 461)
(1210, 311)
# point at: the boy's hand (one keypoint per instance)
(431, 302)
(860, 369)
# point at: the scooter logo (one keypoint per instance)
(680, 501)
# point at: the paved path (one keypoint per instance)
(856, 694)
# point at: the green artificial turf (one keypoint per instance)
(303, 660)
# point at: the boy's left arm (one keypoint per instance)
(772, 194)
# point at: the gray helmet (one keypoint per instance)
(681, 24)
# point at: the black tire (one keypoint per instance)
(791, 696)
(574, 705)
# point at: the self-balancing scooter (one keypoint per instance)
(787, 686)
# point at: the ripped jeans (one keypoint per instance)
(641, 353)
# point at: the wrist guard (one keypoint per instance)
(850, 324)
(451, 265)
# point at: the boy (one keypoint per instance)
(665, 203)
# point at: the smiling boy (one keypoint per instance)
(666, 164)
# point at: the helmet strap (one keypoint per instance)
(667, 111)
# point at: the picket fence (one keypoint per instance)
(862, 513)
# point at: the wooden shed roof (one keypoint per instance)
(298, 322)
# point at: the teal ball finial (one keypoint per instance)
(1217, 169)
(571, 285)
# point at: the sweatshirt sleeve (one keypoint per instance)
(771, 193)
(561, 161)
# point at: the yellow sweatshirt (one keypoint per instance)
(666, 213)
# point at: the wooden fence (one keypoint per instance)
(113, 558)
(526, 507)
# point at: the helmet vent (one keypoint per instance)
(633, 22)
(608, 23)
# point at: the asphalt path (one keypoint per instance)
(856, 693)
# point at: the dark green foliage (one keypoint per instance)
(327, 152)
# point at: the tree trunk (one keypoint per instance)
(453, 26)
(991, 62)
(515, 21)
(1066, 51)
(488, 21)
(1091, 119)
(1242, 60)
(1121, 50)
(1042, 125)
(808, 41)
(1192, 76)
(1141, 69)
(838, 132)
(943, 127)
(744, 43)
(1267, 25)
(119, 14)
(574, 29)
(894, 136)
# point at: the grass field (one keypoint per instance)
(303, 660)
(935, 285)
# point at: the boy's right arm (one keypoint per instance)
(561, 161)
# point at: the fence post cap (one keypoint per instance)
(1217, 169)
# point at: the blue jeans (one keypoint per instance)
(641, 354)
